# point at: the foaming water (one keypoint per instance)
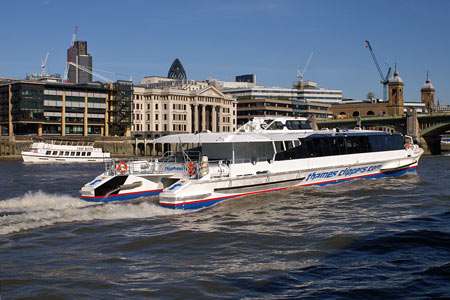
(39, 209)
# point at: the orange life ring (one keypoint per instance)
(407, 146)
(191, 169)
(122, 167)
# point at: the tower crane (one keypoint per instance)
(44, 63)
(301, 74)
(384, 79)
(69, 57)
(87, 70)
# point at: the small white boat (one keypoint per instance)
(60, 151)
(263, 156)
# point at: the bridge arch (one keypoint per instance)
(435, 130)
(431, 136)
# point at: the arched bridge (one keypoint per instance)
(426, 128)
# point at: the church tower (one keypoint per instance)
(395, 103)
(427, 94)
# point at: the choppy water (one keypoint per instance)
(365, 239)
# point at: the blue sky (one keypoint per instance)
(221, 39)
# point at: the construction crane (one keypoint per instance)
(69, 57)
(301, 74)
(44, 63)
(87, 70)
(384, 79)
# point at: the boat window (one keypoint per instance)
(72, 153)
(385, 142)
(78, 154)
(277, 125)
(334, 146)
(48, 152)
(293, 125)
(61, 152)
(296, 143)
(318, 147)
(55, 153)
(341, 145)
(325, 141)
(83, 153)
(364, 144)
(394, 142)
(66, 153)
(88, 153)
(310, 148)
(297, 125)
(305, 125)
(349, 145)
(278, 146)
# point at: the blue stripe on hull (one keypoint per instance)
(123, 197)
(206, 203)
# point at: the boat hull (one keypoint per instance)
(32, 158)
(216, 197)
(105, 188)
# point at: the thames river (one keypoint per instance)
(365, 239)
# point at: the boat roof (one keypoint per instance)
(246, 137)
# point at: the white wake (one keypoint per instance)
(38, 209)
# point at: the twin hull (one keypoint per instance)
(177, 191)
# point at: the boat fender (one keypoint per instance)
(122, 167)
(191, 169)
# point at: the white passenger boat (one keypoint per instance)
(52, 151)
(265, 155)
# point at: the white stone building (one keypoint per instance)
(164, 106)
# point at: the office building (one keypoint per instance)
(63, 109)
(79, 56)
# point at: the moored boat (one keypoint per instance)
(63, 151)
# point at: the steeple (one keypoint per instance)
(427, 94)
(395, 102)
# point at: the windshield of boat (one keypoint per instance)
(297, 125)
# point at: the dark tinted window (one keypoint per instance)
(318, 147)
(310, 148)
(339, 145)
(325, 141)
(334, 146)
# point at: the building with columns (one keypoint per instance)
(164, 106)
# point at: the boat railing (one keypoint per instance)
(170, 162)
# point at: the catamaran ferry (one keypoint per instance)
(264, 155)
(63, 151)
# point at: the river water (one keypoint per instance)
(364, 239)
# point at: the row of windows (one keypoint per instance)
(68, 153)
(341, 145)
